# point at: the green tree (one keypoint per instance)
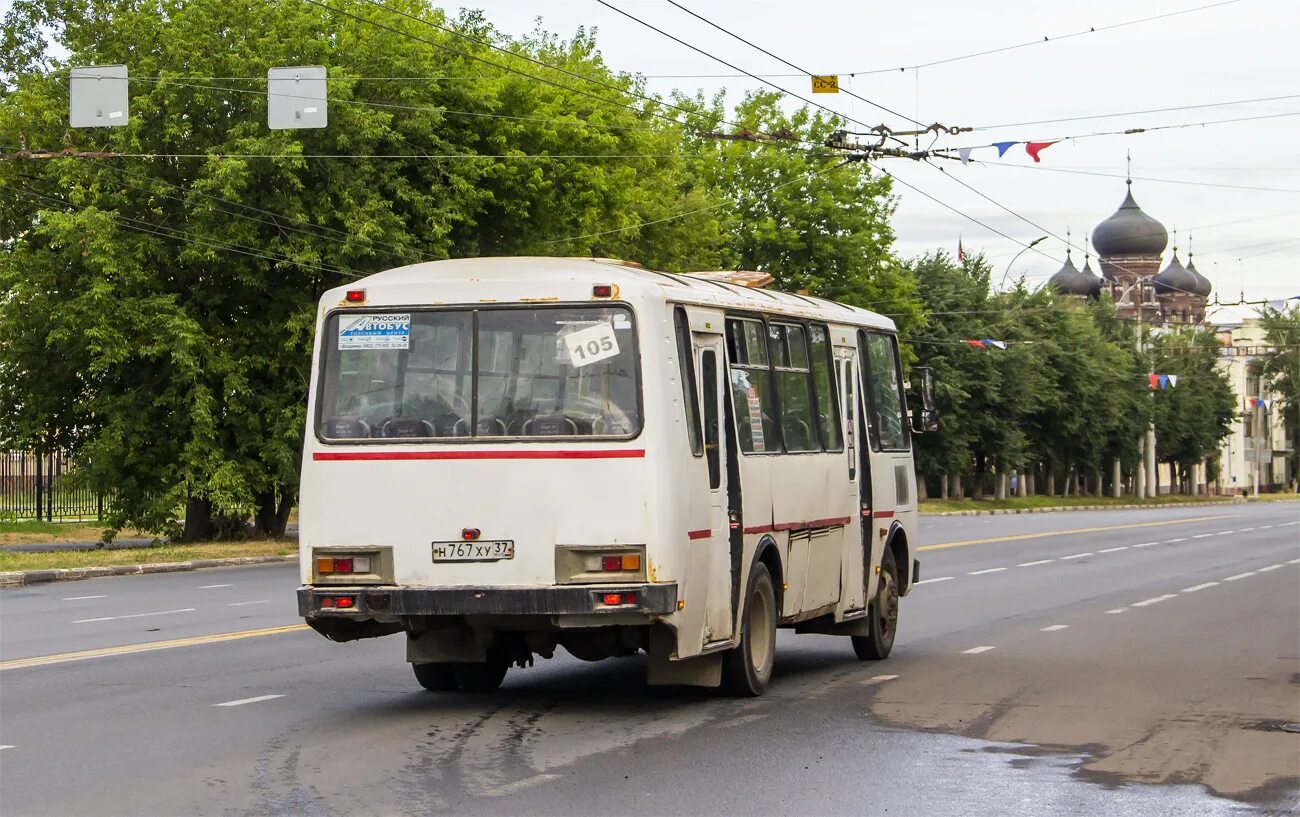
(1192, 418)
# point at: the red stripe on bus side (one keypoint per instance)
(699, 534)
(615, 454)
(833, 522)
(884, 514)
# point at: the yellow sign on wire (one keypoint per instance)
(826, 85)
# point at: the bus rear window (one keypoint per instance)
(500, 372)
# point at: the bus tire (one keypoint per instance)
(438, 677)
(483, 676)
(883, 618)
(747, 669)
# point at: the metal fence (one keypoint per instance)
(42, 487)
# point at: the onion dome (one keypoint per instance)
(1069, 281)
(1129, 232)
(1175, 279)
(1203, 285)
(1094, 280)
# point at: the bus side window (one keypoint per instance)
(885, 388)
(829, 419)
(686, 367)
(712, 426)
(752, 390)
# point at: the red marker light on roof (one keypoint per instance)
(602, 291)
(356, 296)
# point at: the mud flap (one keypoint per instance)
(454, 644)
(701, 671)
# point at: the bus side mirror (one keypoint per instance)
(925, 417)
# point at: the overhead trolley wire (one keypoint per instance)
(698, 50)
(787, 62)
(1198, 106)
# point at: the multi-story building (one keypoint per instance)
(1254, 452)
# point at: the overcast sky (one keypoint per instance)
(1242, 50)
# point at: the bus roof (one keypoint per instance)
(705, 288)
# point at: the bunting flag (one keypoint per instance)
(1173, 380)
(1003, 147)
(999, 344)
(1261, 401)
(964, 153)
(978, 344)
(1164, 381)
(1034, 148)
(1154, 380)
(985, 343)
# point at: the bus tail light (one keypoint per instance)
(618, 599)
(597, 564)
(338, 603)
(617, 563)
(341, 566)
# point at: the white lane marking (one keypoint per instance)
(879, 678)
(1203, 536)
(1196, 587)
(134, 615)
(937, 579)
(1265, 527)
(213, 586)
(243, 701)
(1117, 610)
(1039, 562)
(990, 570)
(511, 788)
(1285, 524)
(1076, 555)
(1271, 567)
(1054, 628)
(1171, 541)
(1224, 532)
(1156, 600)
(6, 746)
(1240, 576)
(246, 603)
(1146, 544)
(976, 650)
(1244, 530)
(83, 598)
(1112, 550)
(1294, 562)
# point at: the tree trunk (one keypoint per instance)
(1000, 492)
(1030, 479)
(1116, 478)
(1050, 488)
(944, 479)
(198, 520)
(922, 493)
(955, 492)
(272, 516)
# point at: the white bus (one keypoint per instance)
(508, 455)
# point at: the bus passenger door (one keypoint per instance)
(719, 617)
(857, 545)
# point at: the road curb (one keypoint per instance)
(21, 578)
(1056, 508)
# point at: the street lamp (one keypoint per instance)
(1028, 246)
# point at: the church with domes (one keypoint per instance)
(1129, 245)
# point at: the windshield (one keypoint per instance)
(498, 372)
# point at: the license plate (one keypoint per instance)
(473, 551)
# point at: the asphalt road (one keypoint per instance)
(1120, 662)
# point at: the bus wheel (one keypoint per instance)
(435, 677)
(884, 615)
(747, 669)
(480, 677)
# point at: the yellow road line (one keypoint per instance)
(61, 658)
(1042, 534)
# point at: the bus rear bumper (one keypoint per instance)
(387, 602)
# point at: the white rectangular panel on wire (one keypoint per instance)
(97, 97)
(296, 97)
